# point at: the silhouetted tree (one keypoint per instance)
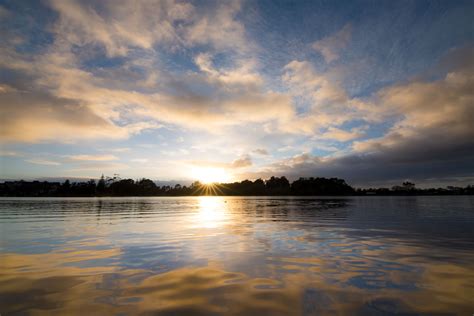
(277, 186)
(146, 187)
(258, 187)
(123, 188)
(321, 186)
(273, 186)
(408, 186)
(101, 186)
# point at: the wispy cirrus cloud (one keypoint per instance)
(331, 46)
(328, 105)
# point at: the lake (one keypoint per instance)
(237, 256)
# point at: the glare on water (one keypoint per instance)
(212, 211)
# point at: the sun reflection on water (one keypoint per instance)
(212, 211)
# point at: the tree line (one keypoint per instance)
(114, 186)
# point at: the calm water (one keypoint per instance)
(237, 256)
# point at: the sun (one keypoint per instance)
(211, 175)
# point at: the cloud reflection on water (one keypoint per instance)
(229, 256)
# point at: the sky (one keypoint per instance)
(375, 92)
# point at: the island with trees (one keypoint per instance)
(274, 186)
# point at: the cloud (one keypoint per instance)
(437, 119)
(50, 95)
(211, 112)
(100, 166)
(432, 140)
(331, 46)
(302, 78)
(10, 153)
(343, 135)
(92, 157)
(37, 116)
(218, 27)
(242, 162)
(118, 102)
(241, 76)
(75, 160)
(204, 62)
(43, 162)
(139, 160)
(120, 26)
(3, 12)
(261, 151)
(120, 149)
(327, 103)
(4, 88)
(216, 97)
(228, 95)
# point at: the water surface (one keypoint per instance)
(237, 256)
